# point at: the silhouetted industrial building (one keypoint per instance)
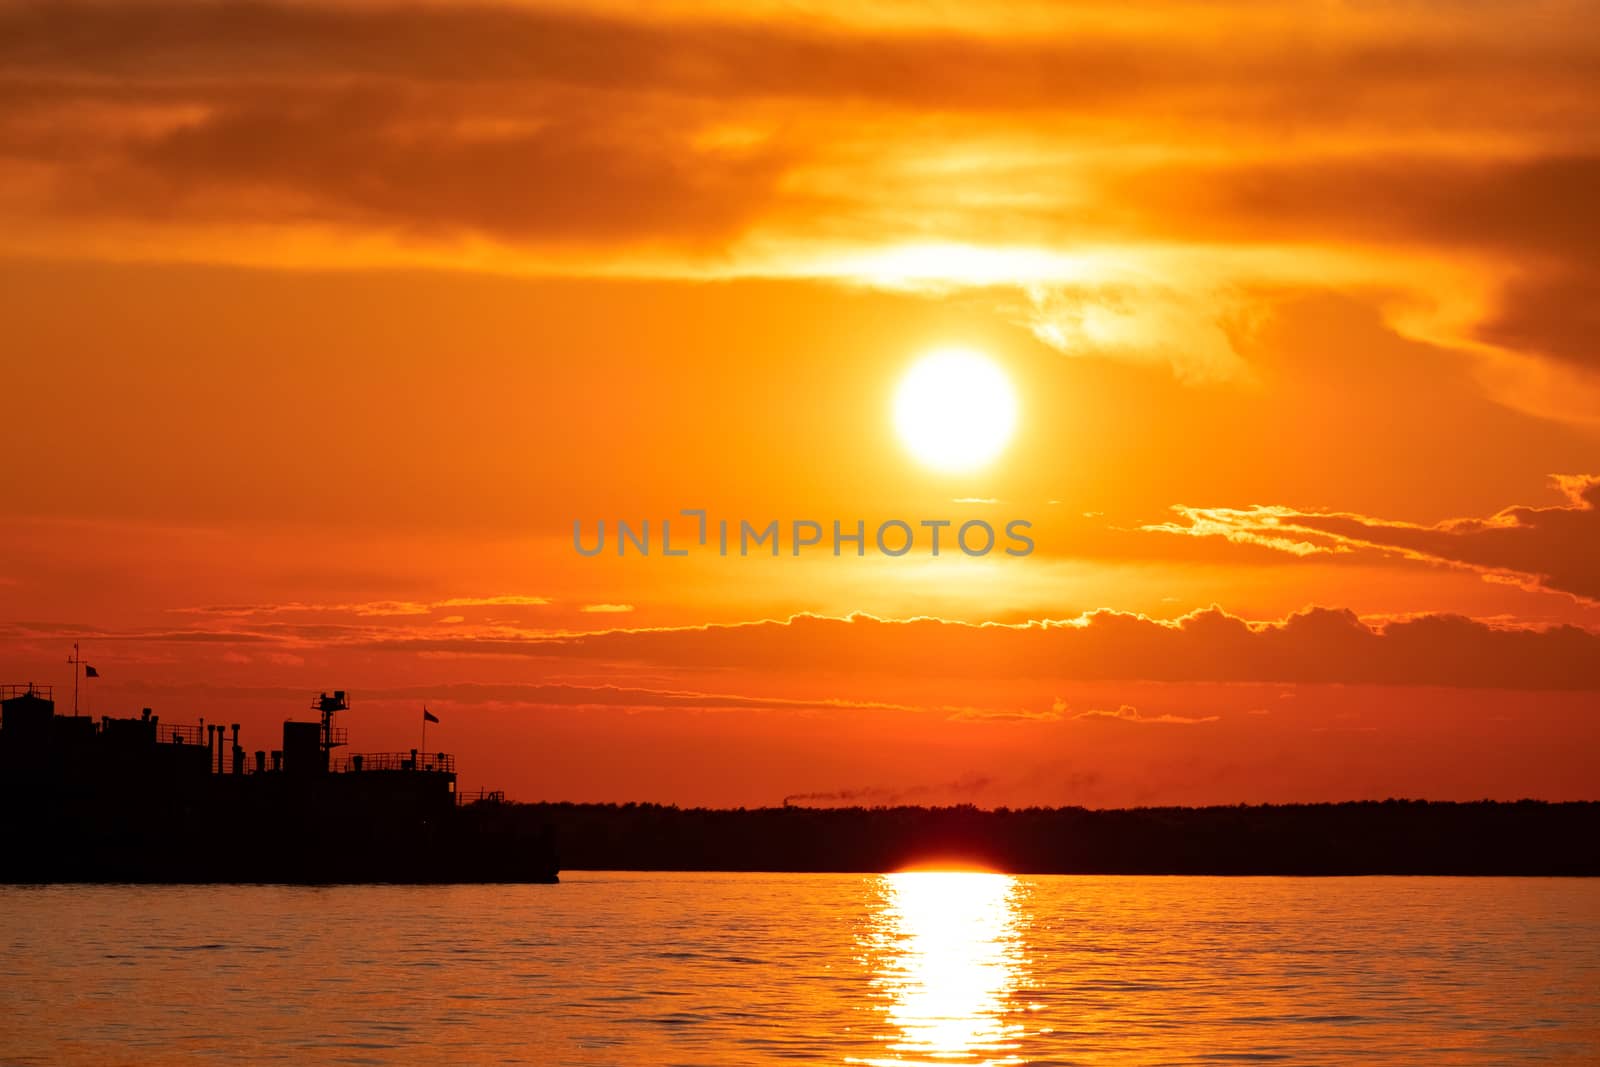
(137, 799)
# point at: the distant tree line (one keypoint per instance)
(1369, 837)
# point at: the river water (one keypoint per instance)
(918, 968)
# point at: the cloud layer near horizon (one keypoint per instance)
(1316, 646)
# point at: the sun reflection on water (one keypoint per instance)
(947, 958)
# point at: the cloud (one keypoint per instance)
(1004, 715)
(533, 137)
(606, 609)
(1318, 645)
(366, 609)
(1512, 220)
(1313, 646)
(525, 695)
(1551, 311)
(573, 172)
(1129, 713)
(1145, 63)
(1488, 202)
(631, 697)
(505, 600)
(34, 631)
(525, 122)
(1549, 548)
(1141, 322)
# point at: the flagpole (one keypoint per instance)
(424, 729)
(77, 659)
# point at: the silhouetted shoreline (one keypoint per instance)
(1395, 837)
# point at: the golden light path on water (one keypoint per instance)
(947, 958)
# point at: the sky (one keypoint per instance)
(326, 321)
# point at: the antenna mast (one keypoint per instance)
(76, 660)
(331, 737)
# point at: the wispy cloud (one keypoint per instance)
(1540, 548)
(1186, 329)
(1005, 715)
(365, 609)
(1129, 713)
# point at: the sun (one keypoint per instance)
(955, 410)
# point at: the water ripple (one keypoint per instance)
(704, 969)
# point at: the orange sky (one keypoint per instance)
(324, 321)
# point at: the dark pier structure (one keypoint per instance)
(140, 800)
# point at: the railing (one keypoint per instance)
(11, 692)
(362, 762)
(338, 736)
(482, 796)
(173, 733)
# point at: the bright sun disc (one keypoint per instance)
(955, 410)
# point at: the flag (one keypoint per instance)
(428, 716)
(90, 672)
